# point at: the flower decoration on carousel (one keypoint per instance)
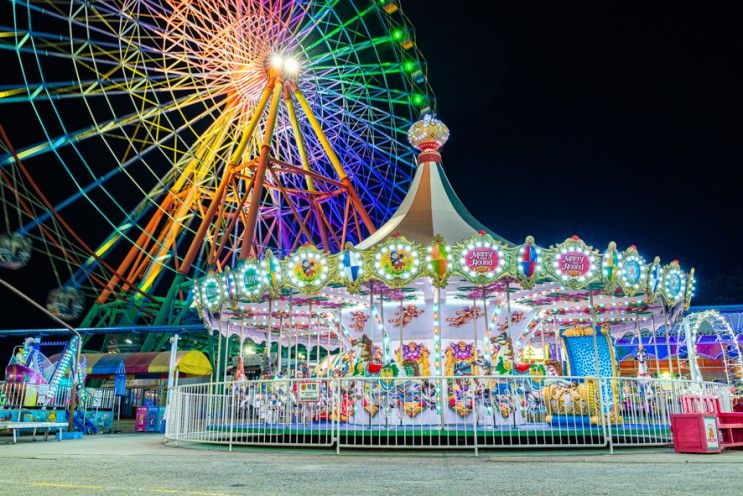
(397, 261)
(691, 286)
(351, 266)
(308, 269)
(574, 262)
(632, 272)
(611, 265)
(529, 262)
(230, 285)
(480, 259)
(653, 278)
(272, 272)
(674, 283)
(438, 261)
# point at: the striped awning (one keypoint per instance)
(194, 363)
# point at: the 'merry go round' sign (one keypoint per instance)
(574, 264)
(485, 260)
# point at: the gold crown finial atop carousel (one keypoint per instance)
(428, 135)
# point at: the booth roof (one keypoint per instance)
(192, 362)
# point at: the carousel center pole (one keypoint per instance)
(668, 338)
(541, 334)
(655, 344)
(508, 323)
(488, 333)
(595, 333)
(558, 349)
(279, 350)
(402, 324)
(371, 312)
(291, 331)
(385, 347)
(226, 353)
(474, 329)
(317, 322)
(219, 349)
(639, 343)
(269, 329)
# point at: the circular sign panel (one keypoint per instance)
(308, 269)
(211, 291)
(481, 260)
(250, 279)
(674, 284)
(631, 272)
(574, 264)
(396, 261)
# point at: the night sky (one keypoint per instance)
(607, 121)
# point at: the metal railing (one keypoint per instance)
(287, 412)
(18, 395)
(433, 412)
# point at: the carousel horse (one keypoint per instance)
(461, 362)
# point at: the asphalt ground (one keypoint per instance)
(139, 464)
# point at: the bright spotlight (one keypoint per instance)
(249, 350)
(291, 66)
(277, 61)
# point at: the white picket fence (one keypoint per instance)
(433, 412)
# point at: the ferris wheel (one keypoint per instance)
(162, 139)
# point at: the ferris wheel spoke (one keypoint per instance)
(55, 143)
(99, 182)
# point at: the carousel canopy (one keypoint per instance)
(430, 207)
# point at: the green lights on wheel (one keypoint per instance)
(418, 99)
(409, 65)
(398, 34)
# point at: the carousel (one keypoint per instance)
(433, 293)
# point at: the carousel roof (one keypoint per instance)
(431, 206)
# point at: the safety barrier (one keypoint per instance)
(433, 412)
(288, 412)
(16, 395)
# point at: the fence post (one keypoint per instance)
(232, 417)
(614, 404)
(336, 409)
(475, 406)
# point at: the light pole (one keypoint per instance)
(73, 393)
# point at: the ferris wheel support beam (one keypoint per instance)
(305, 164)
(302, 225)
(260, 173)
(359, 206)
(195, 246)
(139, 250)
